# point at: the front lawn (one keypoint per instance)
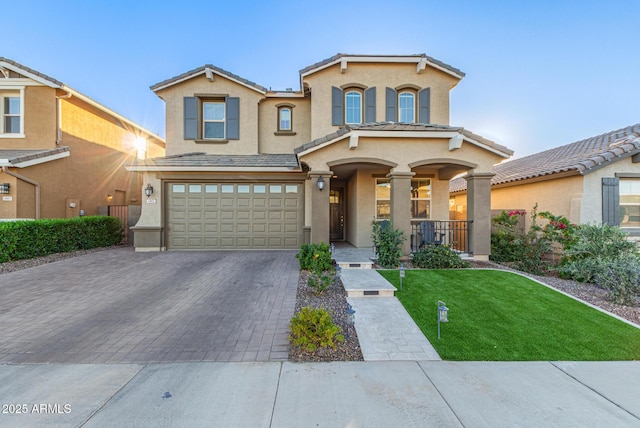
(501, 316)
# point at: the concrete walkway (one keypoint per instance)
(340, 394)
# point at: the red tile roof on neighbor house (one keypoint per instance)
(580, 157)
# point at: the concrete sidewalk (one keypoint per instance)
(354, 394)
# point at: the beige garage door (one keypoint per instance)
(234, 215)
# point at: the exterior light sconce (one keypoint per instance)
(4, 188)
(148, 190)
(443, 315)
(402, 274)
(320, 183)
(109, 197)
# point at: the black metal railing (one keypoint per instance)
(455, 233)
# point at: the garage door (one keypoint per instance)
(234, 215)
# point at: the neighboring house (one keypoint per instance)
(366, 138)
(61, 153)
(596, 180)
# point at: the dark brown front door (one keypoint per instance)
(336, 214)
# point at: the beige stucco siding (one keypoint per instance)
(39, 120)
(379, 76)
(270, 141)
(220, 86)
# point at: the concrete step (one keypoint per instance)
(366, 283)
(355, 265)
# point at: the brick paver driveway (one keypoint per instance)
(117, 306)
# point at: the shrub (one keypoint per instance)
(319, 282)
(34, 238)
(315, 257)
(438, 257)
(312, 328)
(620, 277)
(388, 244)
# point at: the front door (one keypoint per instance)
(336, 214)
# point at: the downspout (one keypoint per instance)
(30, 181)
(59, 116)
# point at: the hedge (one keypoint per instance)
(26, 239)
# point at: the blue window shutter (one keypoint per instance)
(190, 118)
(424, 105)
(233, 118)
(370, 105)
(611, 201)
(337, 107)
(391, 114)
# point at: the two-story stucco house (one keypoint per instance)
(62, 154)
(365, 138)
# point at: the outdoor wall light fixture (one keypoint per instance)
(109, 197)
(148, 190)
(320, 183)
(443, 315)
(402, 274)
(4, 188)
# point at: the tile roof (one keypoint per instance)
(55, 82)
(18, 156)
(200, 70)
(338, 56)
(394, 126)
(199, 159)
(581, 157)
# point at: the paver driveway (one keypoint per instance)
(117, 306)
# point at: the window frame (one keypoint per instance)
(360, 109)
(279, 129)
(413, 105)
(6, 93)
(415, 184)
(204, 121)
(378, 182)
(623, 205)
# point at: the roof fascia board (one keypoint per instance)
(537, 179)
(19, 83)
(206, 71)
(418, 60)
(486, 147)
(37, 161)
(30, 75)
(152, 168)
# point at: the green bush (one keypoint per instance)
(27, 239)
(314, 328)
(620, 277)
(438, 257)
(319, 281)
(315, 257)
(388, 244)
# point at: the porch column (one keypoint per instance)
(320, 206)
(479, 211)
(401, 205)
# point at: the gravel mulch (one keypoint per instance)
(17, 265)
(334, 300)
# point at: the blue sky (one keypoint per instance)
(539, 74)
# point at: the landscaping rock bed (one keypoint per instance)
(334, 300)
(37, 261)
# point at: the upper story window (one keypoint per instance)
(353, 107)
(11, 112)
(284, 119)
(406, 107)
(213, 119)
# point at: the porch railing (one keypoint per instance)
(454, 233)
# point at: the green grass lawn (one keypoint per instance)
(501, 316)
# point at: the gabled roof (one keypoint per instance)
(395, 129)
(208, 70)
(42, 78)
(29, 73)
(25, 158)
(580, 157)
(421, 60)
(199, 161)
